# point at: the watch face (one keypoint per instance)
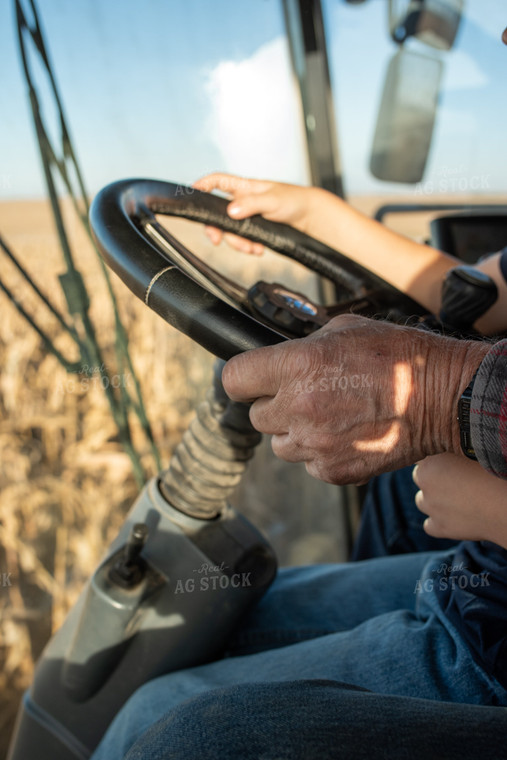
(467, 293)
(473, 276)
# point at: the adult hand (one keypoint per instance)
(358, 397)
(461, 499)
(276, 201)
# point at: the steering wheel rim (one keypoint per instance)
(192, 296)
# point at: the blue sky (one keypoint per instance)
(176, 88)
(132, 77)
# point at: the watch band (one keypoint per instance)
(464, 420)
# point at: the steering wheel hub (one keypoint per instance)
(286, 309)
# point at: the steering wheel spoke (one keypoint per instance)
(177, 253)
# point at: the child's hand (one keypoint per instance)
(276, 201)
(461, 499)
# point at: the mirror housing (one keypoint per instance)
(406, 117)
(434, 22)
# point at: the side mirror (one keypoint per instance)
(406, 117)
(434, 22)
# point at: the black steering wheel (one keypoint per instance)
(219, 314)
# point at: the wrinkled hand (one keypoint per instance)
(356, 398)
(461, 499)
(276, 201)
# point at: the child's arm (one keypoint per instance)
(413, 268)
(409, 266)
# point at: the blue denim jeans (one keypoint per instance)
(320, 720)
(281, 690)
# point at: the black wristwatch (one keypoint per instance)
(464, 420)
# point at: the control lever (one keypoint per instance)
(109, 617)
(129, 569)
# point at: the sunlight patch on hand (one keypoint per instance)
(401, 392)
(387, 442)
(402, 387)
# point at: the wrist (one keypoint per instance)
(450, 368)
(320, 208)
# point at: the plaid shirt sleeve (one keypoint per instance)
(488, 411)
